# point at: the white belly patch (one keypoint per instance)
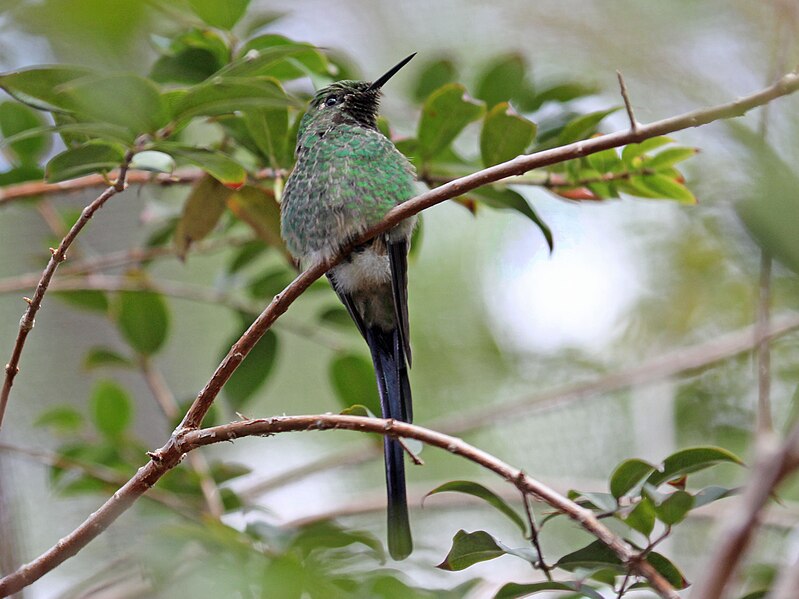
(366, 269)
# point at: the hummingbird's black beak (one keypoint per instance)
(382, 81)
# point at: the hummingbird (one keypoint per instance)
(347, 176)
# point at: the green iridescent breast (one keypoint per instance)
(347, 177)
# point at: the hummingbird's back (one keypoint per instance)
(347, 177)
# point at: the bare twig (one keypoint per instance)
(170, 454)
(774, 463)
(169, 406)
(58, 255)
(764, 420)
(627, 104)
(545, 568)
(181, 176)
(96, 472)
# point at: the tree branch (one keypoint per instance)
(773, 464)
(57, 256)
(170, 454)
(188, 440)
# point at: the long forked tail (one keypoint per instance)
(395, 401)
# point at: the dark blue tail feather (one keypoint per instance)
(395, 402)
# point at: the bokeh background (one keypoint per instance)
(495, 317)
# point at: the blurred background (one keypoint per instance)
(631, 286)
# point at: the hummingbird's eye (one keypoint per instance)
(331, 101)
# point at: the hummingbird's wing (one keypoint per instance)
(398, 262)
(347, 300)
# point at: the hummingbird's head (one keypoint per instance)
(356, 101)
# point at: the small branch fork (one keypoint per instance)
(627, 104)
(186, 434)
(58, 255)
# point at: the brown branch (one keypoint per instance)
(527, 485)
(170, 455)
(627, 104)
(181, 176)
(170, 408)
(99, 473)
(58, 255)
(774, 463)
(763, 357)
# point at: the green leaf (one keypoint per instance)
(358, 410)
(667, 570)
(469, 548)
(223, 15)
(17, 118)
(606, 161)
(444, 115)
(642, 517)
(63, 419)
(220, 166)
(604, 502)
(691, 460)
(269, 284)
(353, 379)
(258, 208)
(668, 158)
(83, 160)
(192, 58)
(513, 590)
(432, 75)
(252, 372)
(674, 508)
(98, 357)
(711, 494)
(502, 80)
(110, 408)
(628, 474)
(40, 87)
(86, 299)
(201, 213)
(632, 152)
(584, 126)
(143, 320)
(593, 555)
(295, 59)
(487, 495)
(507, 199)
(225, 471)
(665, 187)
(20, 174)
(268, 128)
(229, 95)
(336, 316)
(561, 92)
(125, 100)
(153, 161)
(505, 135)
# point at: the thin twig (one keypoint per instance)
(58, 255)
(763, 356)
(170, 408)
(96, 472)
(627, 104)
(170, 454)
(542, 564)
(774, 463)
(181, 176)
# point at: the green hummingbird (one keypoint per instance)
(348, 175)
